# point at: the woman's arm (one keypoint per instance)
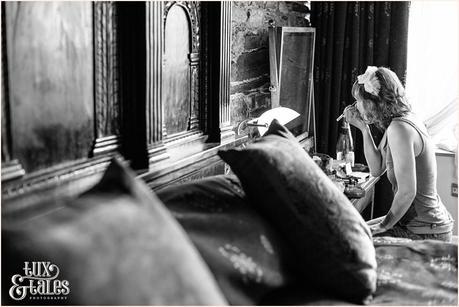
(375, 221)
(375, 159)
(401, 140)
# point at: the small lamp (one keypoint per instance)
(282, 114)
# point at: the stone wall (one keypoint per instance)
(250, 53)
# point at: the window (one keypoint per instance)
(432, 73)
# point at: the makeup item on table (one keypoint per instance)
(360, 176)
(354, 192)
(342, 115)
(359, 167)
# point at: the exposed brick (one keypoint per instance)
(238, 14)
(298, 6)
(271, 4)
(253, 40)
(283, 8)
(250, 55)
(252, 64)
(255, 18)
(244, 107)
(247, 85)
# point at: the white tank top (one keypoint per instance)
(427, 214)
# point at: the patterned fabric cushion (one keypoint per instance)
(247, 257)
(421, 272)
(410, 273)
(116, 245)
(331, 240)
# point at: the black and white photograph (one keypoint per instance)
(217, 153)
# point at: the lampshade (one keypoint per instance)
(282, 114)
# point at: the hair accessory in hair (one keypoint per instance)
(370, 81)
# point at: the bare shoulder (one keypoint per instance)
(400, 129)
(405, 137)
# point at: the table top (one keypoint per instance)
(368, 185)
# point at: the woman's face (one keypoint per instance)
(359, 105)
(363, 112)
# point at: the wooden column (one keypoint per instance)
(106, 79)
(226, 130)
(194, 9)
(11, 168)
(194, 108)
(154, 109)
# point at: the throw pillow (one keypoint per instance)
(115, 244)
(246, 255)
(331, 240)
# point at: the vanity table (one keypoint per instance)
(365, 205)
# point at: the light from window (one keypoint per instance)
(432, 72)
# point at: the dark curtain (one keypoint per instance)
(349, 37)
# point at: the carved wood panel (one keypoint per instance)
(216, 40)
(95, 95)
(11, 168)
(192, 9)
(50, 82)
(176, 71)
(226, 130)
(195, 103)
(154, 74)
(107, 104)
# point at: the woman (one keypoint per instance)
(405, 152)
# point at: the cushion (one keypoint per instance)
(330, 238)
(415, 272)
(116, 245)
(246, 255)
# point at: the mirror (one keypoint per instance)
(291, 55)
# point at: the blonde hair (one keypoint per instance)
(389, 103)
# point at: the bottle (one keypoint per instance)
(345, 145)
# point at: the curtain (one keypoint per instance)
(349, 37)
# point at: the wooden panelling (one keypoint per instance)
(226, 130)
(39, 191)
(194, 122)
(198, 165)
(182, 70)
(11, 168)
(176, 71)
(50, 78)
(6, 136)
(217, 15)
(60, 90)
(44, 188)
(203, 81)
(106, 77)
(83, 80)
(192, 10)
(154, 75)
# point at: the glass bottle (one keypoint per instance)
(345, 145)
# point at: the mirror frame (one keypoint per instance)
(276, 44)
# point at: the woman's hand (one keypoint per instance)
(353, 117)
(376, 228)
(376, 220)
